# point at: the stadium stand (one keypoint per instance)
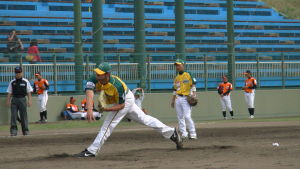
(258, 28)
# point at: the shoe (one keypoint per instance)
(39, 121)
(193, 136)
(84, 154)
(44, 121)
(13, 134)
(251, 117)
(225, 118)
(25, 133)
(232, 117)
(177, 139)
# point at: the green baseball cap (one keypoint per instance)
(103, 68)
(179, 62)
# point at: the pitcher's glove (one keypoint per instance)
(192, 100)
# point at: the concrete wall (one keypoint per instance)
(269, 103)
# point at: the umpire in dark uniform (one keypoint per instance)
(17, 91)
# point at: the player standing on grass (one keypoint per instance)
(41, 87)
(224, 90)
(122, 99)
(184, 86)
(249, 91)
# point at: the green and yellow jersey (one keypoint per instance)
(183, 83)
(115, 90)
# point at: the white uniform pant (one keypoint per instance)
(184, 116)
(226, 103)
(43, 98)
(132, 111)
(249, 97)
(80, 115)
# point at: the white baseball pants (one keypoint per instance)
(226, 103)
(43, 99)
(132, 111)
(249, 97)
(184, 116)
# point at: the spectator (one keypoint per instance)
(13, 46)
(33, 52)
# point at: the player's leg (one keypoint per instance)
(13, 117)
(110, 122)
(189, 121)
(247, 99)
(180, 115)
(23, 115)
(228, 105)
(139, 116)
(40, 98)
(251, 103)
(44, 104)
(136, 114)
(223, 105)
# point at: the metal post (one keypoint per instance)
(149, 74)
(78, 46)
(179, 29)
(54, 74)
(98, 31)
(257, 70)
(87, 60)
(283, 70)
(205, 73)
(139, 46)
(230, 41)
(119, 64)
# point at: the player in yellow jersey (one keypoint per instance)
(122, 104)
(184, 85)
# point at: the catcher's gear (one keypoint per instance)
(192, 100)
(102, 101)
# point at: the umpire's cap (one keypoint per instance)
(103, 68)
(18, 69)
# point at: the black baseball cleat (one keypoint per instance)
(84, 154)
(177, 140)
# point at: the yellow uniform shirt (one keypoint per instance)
(115, 90)
(183, 83)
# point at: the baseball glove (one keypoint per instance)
(102, 101)
(192, 100)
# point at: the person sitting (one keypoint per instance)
(71, 108)
(96, 114)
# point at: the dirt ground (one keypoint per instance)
(240, 145)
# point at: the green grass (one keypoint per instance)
(84, 124)
(290, 8)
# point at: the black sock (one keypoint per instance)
(45, 114)
(224, 113)
(252, 111)
(249, 109)
(231, 113)
(41, 115)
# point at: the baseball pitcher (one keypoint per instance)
(122, 104)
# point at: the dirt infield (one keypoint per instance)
(237, 145)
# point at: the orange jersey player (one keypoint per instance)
(224, 90)
(249, 91)
(41, 87)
